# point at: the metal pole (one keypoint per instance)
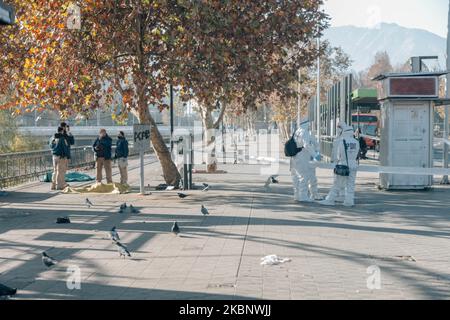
(318, 92)
(299, 100)
(191, 160)
(171, 118)
(141, 155)
(445, 180)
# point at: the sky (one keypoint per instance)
(430, 15)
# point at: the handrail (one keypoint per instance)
(22, 167)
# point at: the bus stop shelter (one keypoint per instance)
(7, 14)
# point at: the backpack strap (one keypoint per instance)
(346, 154)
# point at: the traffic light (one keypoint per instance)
(7, 14)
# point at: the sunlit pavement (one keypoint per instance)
(404, 234)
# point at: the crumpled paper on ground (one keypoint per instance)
(273, 260)
(113, 188)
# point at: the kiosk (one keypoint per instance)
(407, 109)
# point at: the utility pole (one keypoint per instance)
(318, 93)
(171, 118)
(299, 100)
(445, 180)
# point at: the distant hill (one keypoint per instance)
(401, 43)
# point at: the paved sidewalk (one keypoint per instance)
(218, 257)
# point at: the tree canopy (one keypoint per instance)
(212, 50)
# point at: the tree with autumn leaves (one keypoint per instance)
(213, 51)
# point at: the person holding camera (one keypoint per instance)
(60, 152)
(70, 141)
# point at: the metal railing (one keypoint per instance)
(326, 147)
(23, 167)
(18, 168)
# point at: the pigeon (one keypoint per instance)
(133, 209)
(205, 187)
(122, 208)
(175, 228)
(63, 220)
(123, 250)
(89, 203)
(205, 211)
(48, 261)
(182, 195)
(113, 234)
(270, 180)
(7, 291)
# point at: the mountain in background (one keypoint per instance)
(400, 43)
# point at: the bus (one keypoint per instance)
(369, 125)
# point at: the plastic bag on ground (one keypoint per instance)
(273, 260)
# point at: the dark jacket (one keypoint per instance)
(59, 146)
(70, 141)
(102, 148)
(122, 150)
(362, 143)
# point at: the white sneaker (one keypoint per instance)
(327, 203)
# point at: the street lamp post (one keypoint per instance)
(299, 100)
(171, 118)
(445, 180)
(318, 93)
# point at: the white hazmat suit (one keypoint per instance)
(344, 185)
(303, 173)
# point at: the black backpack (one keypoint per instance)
(290, 148)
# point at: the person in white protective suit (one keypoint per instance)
(344, 185)
(303, 172)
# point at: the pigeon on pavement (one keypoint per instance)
(270, 180)
(205, 211)
(182, 195)
(89, 203)
(205, 187)
(123, 250)
(48, 261)
(175, 228)
(122, 208)
(6, 291)
(114, 235)
(133, 209)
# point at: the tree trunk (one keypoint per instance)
(210, 141)
(170, 171)
(210, 136)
